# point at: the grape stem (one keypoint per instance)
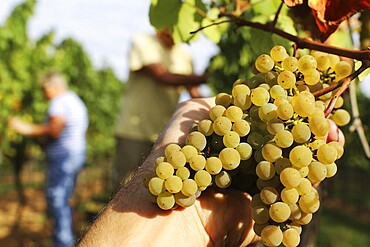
(343, 84)
(301, 43)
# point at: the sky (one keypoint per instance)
(103, 27)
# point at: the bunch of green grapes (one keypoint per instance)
(266, 138)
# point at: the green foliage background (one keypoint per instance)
(23, 61)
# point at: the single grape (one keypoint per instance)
(327, 154)
(183, 172)
(323, 63)
(230, 158)
(197, 162)
(223, 179)
(222, 125)
(205, 127)
(305, 219)
(301, 133)
(285, 111)
(213, 165)
(269, 195)
(156, 186)
(243, 101)
(290, 177)
(166, 200)
(342, 69)
(272, 235)
(264, 63)
(277, 91)
(197, 139)
(317, 172)
(304, 186)
(245, 150)
(183, 200)
(176, 159)
(319, 126)
(231, 139)
(309, 203)
(300, 156)
(281, 164)
(284, 138)
(216, 112)
(260, 96)
(304, 104)
(265, 170)
(240, 88)
(279, 212)
(164, 170)
(312, 77)
(291, 238)
(223, 99)
(170, 148)
(203, 178)
(256, 140)
(241, 127)
(290, 64)
(331, 170)
(306, 63)
(267, 112)
(275, 125)
(271, 152)
(234, 113)
(341, 117)
(173, 184)
(278, 53)
(295, 211)
(286, 79)
(189, 187)
(289, 195)
(260, 214)
(189, 151)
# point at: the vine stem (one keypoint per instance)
(344, 84)
(301, 42)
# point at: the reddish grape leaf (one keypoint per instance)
(330, 13)
(292, 3)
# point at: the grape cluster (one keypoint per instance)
(266, 138)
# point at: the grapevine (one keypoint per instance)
(270, 132)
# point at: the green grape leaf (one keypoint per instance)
(214, 33)
(266, 8)
(162, 14)
(180, 17)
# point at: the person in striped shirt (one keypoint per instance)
(66, 126)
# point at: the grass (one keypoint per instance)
(337, 230)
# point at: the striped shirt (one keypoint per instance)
(73, 137)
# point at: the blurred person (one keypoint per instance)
(159, 71)
(65, 129)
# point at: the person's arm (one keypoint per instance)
(162, 75)
(53, 128)
(218, 218)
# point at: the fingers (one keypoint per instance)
(335, 134)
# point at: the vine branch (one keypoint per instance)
(300, 42)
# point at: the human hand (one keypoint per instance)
(218, 218)
(20, 126)
(335, 134)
